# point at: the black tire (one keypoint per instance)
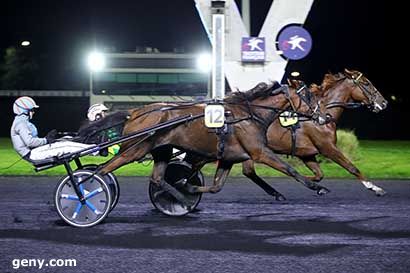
(96, 207)
(112, 181)
(166, 203)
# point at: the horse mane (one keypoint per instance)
(315, 89)
(261, 90)
(329, 80)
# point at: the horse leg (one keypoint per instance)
(161, 158)
(220, 177)
(313, 165)
(267, 157)
(248, 169)
(196, 162)
(333, 153)
(131, 154)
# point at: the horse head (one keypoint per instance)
(299, 99)
(364, 91)
(310, 99)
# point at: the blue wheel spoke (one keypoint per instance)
(69, 197)
(82, 188)
(77, 210)
(94, 193)
(91, 207)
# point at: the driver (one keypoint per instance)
(24, 135)
(99, 111)
(96, 112)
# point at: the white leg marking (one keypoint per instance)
(370, 186)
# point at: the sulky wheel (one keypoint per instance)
(174, 175)
(112, 181)
(97, 202)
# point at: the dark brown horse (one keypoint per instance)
(250, 115)
(337, 92)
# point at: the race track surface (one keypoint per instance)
(240, 229)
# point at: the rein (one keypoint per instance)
(285, 90)
(369, 95)
(174, 107)
(247, 104)
(345, 105)
(352, 105)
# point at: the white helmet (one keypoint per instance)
(96, 111)
(24, 105)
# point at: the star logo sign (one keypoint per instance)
(253, 44)
(294, 42)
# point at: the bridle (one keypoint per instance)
(307, 99)
(284, 89)
(370, 96)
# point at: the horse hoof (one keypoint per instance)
(381, 192)
(189, 188)
(323, 191)
(280, 197)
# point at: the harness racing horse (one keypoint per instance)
(250, 115)
(337, 92)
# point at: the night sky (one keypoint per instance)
(346, 34)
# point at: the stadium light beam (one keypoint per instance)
(204, 62)
(25, 43)
(96, 61)
(295, 74)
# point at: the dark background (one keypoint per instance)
(355, 34)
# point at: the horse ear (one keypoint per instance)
(349, 72)
(294, 83)
(289, 82)
(314, 88)
(328, 77)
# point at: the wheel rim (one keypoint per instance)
(112, 181)
(165, 202)
(97, 203)
(115, 190)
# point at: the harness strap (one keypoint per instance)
(293, 129)
(221, 134)
(348, 105)
(174, 106)
(237, 120)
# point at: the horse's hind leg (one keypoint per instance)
(313, 165)
(248, 169)
(267, 157)
(161, 158)
(221, 175)
(131, 154)
(333, 153)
